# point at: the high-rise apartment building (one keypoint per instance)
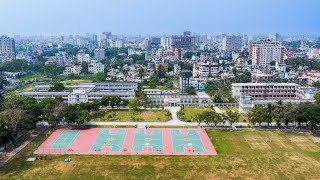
(232, 43)
(166, 42)
(7, 48)
(186, 42)
(265, 51)
(99, 54)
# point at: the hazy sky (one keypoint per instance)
(154, 17)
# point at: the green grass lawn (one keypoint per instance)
(236, 159)
(128, 115)
(31, 76)
(77, 81)
(190, 113)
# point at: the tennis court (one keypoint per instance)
(65, 139)
(130, 141)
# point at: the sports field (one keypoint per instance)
(131, 141)
(241, 155)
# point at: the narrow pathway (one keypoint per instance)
(31, 138)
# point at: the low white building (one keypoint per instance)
(85, 92)
(72, 69)
(175, 98)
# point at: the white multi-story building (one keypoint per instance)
(73, 69)
(7, 48)
(119, 43)
(206, 69)
(251, 94)
(95, 67)
(161, 52)
(82, 57)
(232, 43)
(131, 51)
(175, 98)
(165, 42)
(265, 51)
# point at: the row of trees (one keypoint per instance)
(212, 117)
(18, 115)
(286, 113)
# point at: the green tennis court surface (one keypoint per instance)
(147, 141)
(65, 139)
(111, 141)
(189, 140)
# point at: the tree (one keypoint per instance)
(117, 101)
(191, 91)
(14, 121)
(113, 100)
(125, 102)
(168, 114)
(231, 116)
(161, 72)
(269, 116)
(52, 111)
(84, 116)
(134, 104)
(309, 113)
(100, 77)
(141, 72)
(57, 86)
(257, 114)
(217, 98)
(211, 89)
(188, 55)
(105, 101)
(317, 97)
(70, 113)
(209, 117)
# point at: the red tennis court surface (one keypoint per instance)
(131, 141)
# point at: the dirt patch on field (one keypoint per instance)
(305, 144)
(257, 142)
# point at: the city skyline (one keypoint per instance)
(127, 17)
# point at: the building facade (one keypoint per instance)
(265, 51)
(95, 67)
(7, 48)
(251, 94)
(99, 54)
(85, 92)
(232, 43)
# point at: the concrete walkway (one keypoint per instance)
(32, 137)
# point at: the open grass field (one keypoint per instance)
(77, 81)
(190, 113)
(127, 116)
(31, 76)
(241, 155)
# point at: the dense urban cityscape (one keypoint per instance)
(117, 106)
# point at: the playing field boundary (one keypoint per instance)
(130, 141)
